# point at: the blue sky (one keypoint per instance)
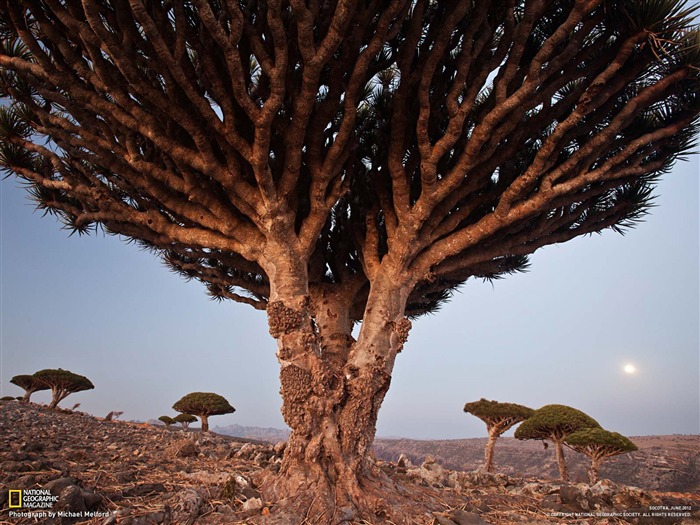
(560, 333)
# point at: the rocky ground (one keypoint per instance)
(112, 472)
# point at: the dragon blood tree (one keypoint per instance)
(555, 423)
(184, 420)
(342, 161)
(167, 420)
(499, 417)
(62, 383)
(204, 404)
(29, 384)
(598, 444)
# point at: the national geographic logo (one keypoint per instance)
(15, 499)
(31, 499)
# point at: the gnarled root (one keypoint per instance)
(311, 498)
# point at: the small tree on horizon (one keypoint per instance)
(555, 423)
(499, 417)
(29, 384)
(167, 420)
(62, 383)
(204, 404)
(598, 444)
(184, 420)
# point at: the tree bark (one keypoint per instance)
(488, 453)
(561, 461)
(205, 423)
(58, 395)
(332, 387)
(593, 470)
(27, 395)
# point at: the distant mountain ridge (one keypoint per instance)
(271, 435)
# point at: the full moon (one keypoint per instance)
(629, 368)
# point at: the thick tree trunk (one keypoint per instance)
(58, 395)
(593, 471)
(561, 461)
(488, 452)
(27, 395)
(332, 387)
(205, 423)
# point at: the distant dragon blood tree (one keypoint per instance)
(342, 161)
(29, 384)
(167, 420)
(598, 445)
(555, 423)
(499, 417)
(184, 420)
(204, 404)
(62, 383)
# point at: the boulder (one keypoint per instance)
(143, 489)
(575, 497)
(251, 505)
(404, 461)
(186, 506)
(432, 473)
(462, 517)
(184, 448)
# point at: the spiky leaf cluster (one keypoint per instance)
(554, 422)
(599, 442)
(29, 383)
(64, 380)
(185, 419)
(203, 404)
(167, 420)
(458, 137)
(485, 410)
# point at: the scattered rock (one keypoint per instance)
(430, 472)
(186, 506)
(575, 497)
(14, 466)
(247, 451)
(253, 504)
(143, 489)
(535, 489)
(57, 485)
(184, 448)
(71, 499)
(249, 492)
(279, 448)
(461, 517)
(404, 461)
(207, 478)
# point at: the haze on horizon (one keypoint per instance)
(560, 333)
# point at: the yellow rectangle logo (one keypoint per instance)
(15, 499)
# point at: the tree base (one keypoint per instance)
(375, 499)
